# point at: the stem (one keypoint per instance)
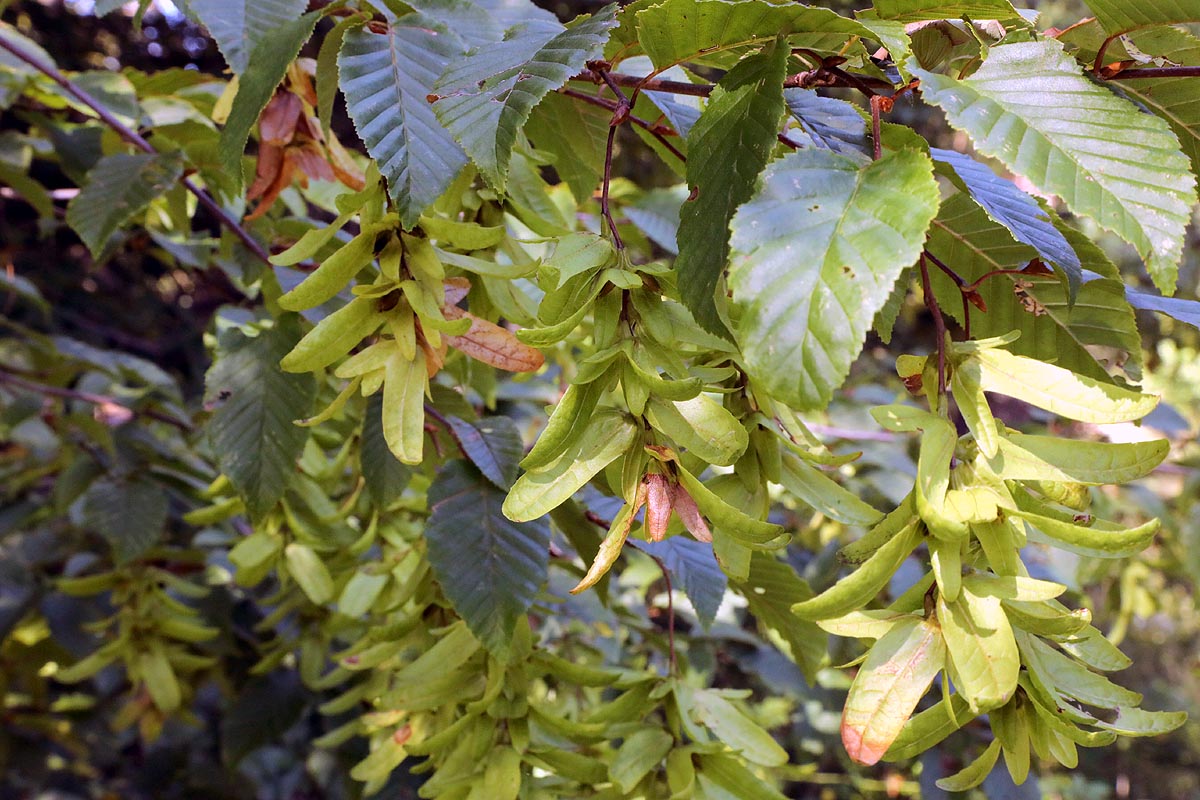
(9, 379)
(670, 612)
(963, 290)
(821, 76)
(939, 324)
(620, 115)
(970, 287)
(1098, 64)
(138, 141)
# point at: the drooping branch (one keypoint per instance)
(137, 140)
(103, 402)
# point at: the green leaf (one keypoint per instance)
(129, 513)
(335, 272)
(386, 78)
(702, 426)
(119, 187)
(1030, 106)
(737, 730)
(404, 388)
(732, 778)
(1100, 539)
(251, 430)
(535, 493)
(717, 32)
(694, 569)
(974, 773)
(309, 572)
(982, 648)
(823, 494)
(830, 123)
(804, 321)
(486, 97)
(1058, 390)
(1049, 458)
(493, 444)
(927, 729)
(1015, 210)
(267, 66)
(638, 754)
(263, 710)
(238, 26)
(1121, 17)
(890, 683)
(490, 568)
(728, 146)
(860, 586)
(771, 590)
(1139, 722)
(921, 10)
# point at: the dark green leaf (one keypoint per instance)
(573, 134)
(487, 97)
(489, 567)
(386, 78)
(129, 513)
(266, 68)
(1121, 16)
(771, 590)
(693, 569)
(252, 429)
(239, 25)
(118, 187)
(493, 444)
(264, 710)
(729, 146)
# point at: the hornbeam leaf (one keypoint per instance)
(1049, 458)
(486, 97)
(897, 673)
(238, 26)
(386, 78)
(830, 123)
(489, 567)
(130, 514)
(965, 238)
(728, 147)
(716, 32)
(252, 430)
(118, 187)
(771, 590)
(1031, 107)
(695, 570)
(1118, 16)
(736, 730)
(268, 64)
(493, 444)
(816, 254)
(921, 10)
(1173, 99)
(1015, 210)
(929, 727)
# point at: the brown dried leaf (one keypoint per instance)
(491, 344)
(456, 290)
(277, 125)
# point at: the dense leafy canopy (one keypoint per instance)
(479, 398)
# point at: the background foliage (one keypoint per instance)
(201, 597)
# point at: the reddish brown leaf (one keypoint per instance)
(658, 506)
(688, 513)
(491, 344)
(310, 158)
(456, 290)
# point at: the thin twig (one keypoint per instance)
(657, 131)
(1155, 72)
(1098, 64)
(137, 140)
(9, 379)
(963, 290)
(974, 285)
(939, 324)
(619, 117)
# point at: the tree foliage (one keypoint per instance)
(500, 448)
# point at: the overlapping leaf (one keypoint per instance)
(729, 146)
(489, 567)
(972, 244)
(815, 256)
(486, 97)
(238, 26)
(385, 78)
(1030, 106)
(920, 10)
(716, 32)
